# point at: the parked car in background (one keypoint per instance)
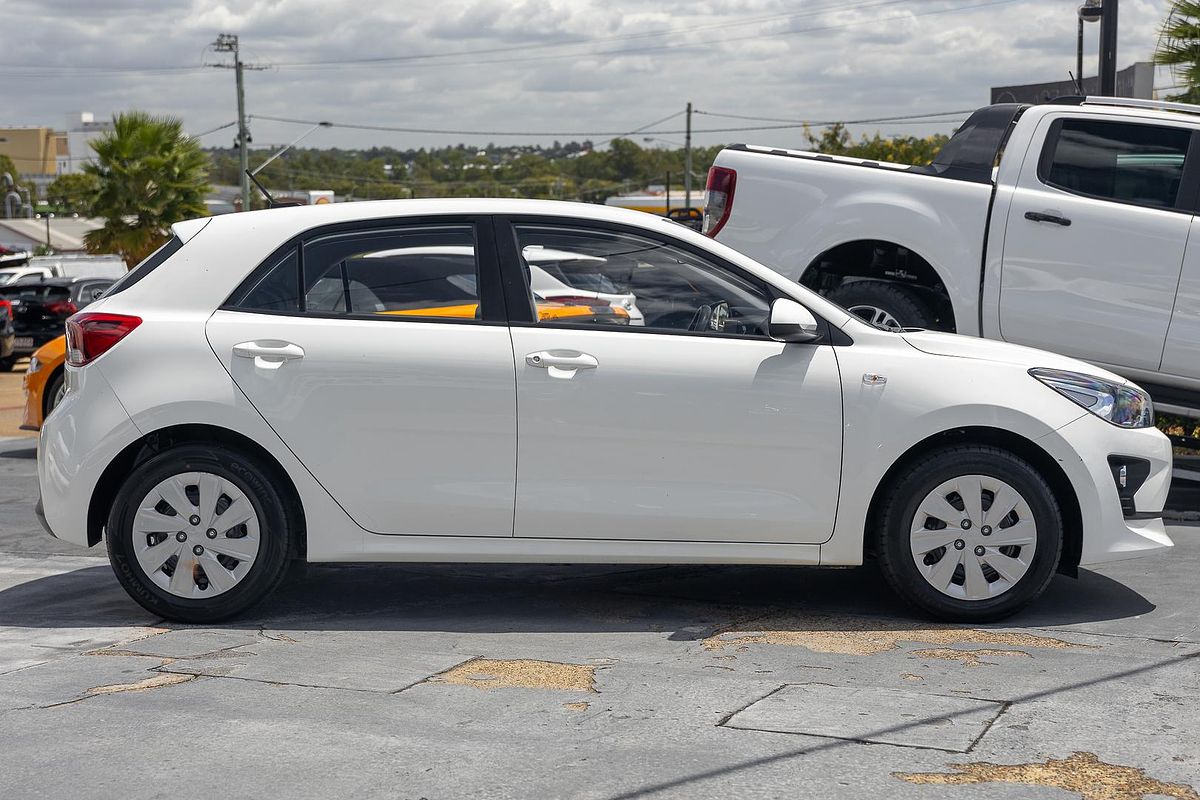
(7, 336)
(1078, 241)
(44, 382)
(68, 265)
(41, 307)
(220, 422)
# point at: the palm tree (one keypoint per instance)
(1179, 48)
(151, 175)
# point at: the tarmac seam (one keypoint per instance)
(1005, 705)
(164, 669)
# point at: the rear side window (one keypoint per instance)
(425, 272)
(1123, 162)
(35, 291)
(151, 263)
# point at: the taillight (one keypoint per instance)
(718, 199)
(6, 308)
(61, 307)
(92, 334)
(573, 300)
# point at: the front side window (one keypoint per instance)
(599, 278)
(426, 272)
(1124, 162)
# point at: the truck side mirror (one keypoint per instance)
(792, 322)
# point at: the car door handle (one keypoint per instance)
(1047, 216)
(269, 354)
(561, 363)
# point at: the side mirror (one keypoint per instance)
(792, 322)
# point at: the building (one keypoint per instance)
(1133, 81)
(82, 128)
(33, 150)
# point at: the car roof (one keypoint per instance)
(56, 281)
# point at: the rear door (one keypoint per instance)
(1095, 239)
(389, 373)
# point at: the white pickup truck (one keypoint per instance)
(1062, 226)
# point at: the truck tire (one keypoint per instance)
(886, 305)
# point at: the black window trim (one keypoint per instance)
(491, 297)
(1189, 183)
(517, 292)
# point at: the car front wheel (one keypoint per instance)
(970, 534)
(199, 533)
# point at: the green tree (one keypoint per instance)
(150, 176)
(74, 192)
(1179, 48)
(7, 165)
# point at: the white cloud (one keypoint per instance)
(821, 59)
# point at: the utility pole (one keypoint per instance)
(687, 161)
(1108, 48)
(228, 43)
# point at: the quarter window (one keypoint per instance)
(1125, 162)
(596, 278)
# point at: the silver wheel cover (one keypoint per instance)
(876, 316)
(196, 535)
(973, 537)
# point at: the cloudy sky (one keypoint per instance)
(569, 68)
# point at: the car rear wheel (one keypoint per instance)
(970, 534)
(199, 533)
(6, 364)
(54, 393)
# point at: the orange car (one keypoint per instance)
(44, 382)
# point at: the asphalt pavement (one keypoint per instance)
(477, 681)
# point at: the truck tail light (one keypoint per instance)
(91, 334)
(61, 307)
(718, 199)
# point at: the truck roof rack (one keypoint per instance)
(1131, 102)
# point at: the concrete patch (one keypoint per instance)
(1083, 773)
(490, 673)
(866, 636)
(969, 658)
(153, 682)
(872, 715)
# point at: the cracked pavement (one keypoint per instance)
(510, 681)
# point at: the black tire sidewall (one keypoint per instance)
(51, 390)
(904, 305)
(253, 480)
(904, 500)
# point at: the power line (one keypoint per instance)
(593, 134)
(908, 118)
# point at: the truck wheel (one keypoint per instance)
(884, 305)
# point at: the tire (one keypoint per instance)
(193, 596)
(53, 394)
(871, 300)
(6, 364)
(899, 543)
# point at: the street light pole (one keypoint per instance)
(687, 161)
(1108, 48)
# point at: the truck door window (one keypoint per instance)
(1124, 162)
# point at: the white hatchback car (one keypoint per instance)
(225, 414)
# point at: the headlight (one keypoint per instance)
(34, 365)
(1124, 405)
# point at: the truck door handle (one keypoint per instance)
(269, 354)
(561, 363)
(1046, 216)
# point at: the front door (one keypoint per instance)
(666, 413)
(1095, 240)
(389, 375)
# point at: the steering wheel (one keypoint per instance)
(711, 317)
(702, 319)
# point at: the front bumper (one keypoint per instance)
(1110, 533)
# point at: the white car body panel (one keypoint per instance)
(165, 374)
(699, 439)
(1117, 268)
